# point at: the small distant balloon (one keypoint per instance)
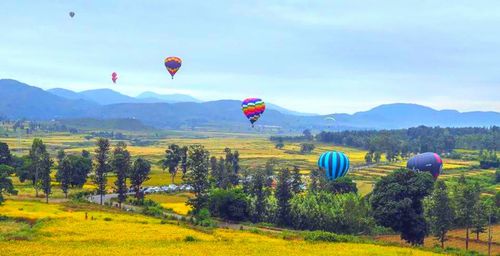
(114, 77)
(173, 64)
(72, 14)
(253, 108)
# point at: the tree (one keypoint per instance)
(397, 203)
(197, 176)
(121, 166)
(5, 156)
(465, 197)
(230, 204)
(296, 180)
(6, 185)
(369, 157)
(341, 185)
(101, 166)
(231, 168)
(235, 168)
(183, 162)
(172, 159)
(45, 170)
(479, 219)
(60, 156)
(377, 157)
(64, 173)
(280, 144)
(315, 178)
(339, 213)
(440, 212)
(82, 166)
(259, 194)
(283, 195)
(306, 148)
(139, 174)
(308, 135)
(39, 169)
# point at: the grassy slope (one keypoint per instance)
(64, 231)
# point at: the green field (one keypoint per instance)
(254, 151)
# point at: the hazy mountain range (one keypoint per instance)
(178, 111)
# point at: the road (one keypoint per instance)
(221, 224)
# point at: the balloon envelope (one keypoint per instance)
(335, 164)
(71, 14)
(173, 64)
(253, 108)
(426, 162)
(114, 77)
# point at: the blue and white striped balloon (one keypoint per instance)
(335, 164)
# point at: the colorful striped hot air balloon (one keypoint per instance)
(426, 162)
(335, 164)
(253, 108)
(173, 64)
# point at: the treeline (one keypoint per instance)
(74, 170)
(400, 144)
(417, 139)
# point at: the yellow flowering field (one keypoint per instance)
(65, 231)
(176, 202)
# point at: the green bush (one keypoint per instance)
(80, 196)
(323, 236)
(231, 204)
(190, 239)
(108, 219)
(341, 213)
(155, 211)
(203, 218)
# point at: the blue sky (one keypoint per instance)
(311, 56)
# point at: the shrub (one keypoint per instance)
(203, 218)
(323, 236)
(190, 239)
(231, 204)
(342, 213)
(107, 219)
(80, 196)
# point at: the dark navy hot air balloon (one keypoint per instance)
(335, 164)
(426, 162)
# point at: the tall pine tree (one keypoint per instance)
(283, 195)
(440, 212)
(121, 166)
(101, 167)
(139, 174)
(197, 176)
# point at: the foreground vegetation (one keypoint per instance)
(61, 229)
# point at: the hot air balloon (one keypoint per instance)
(253, 108)
(114, 77)
(426, 162)
(335, 164)
(72, 14)
(173, 64)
